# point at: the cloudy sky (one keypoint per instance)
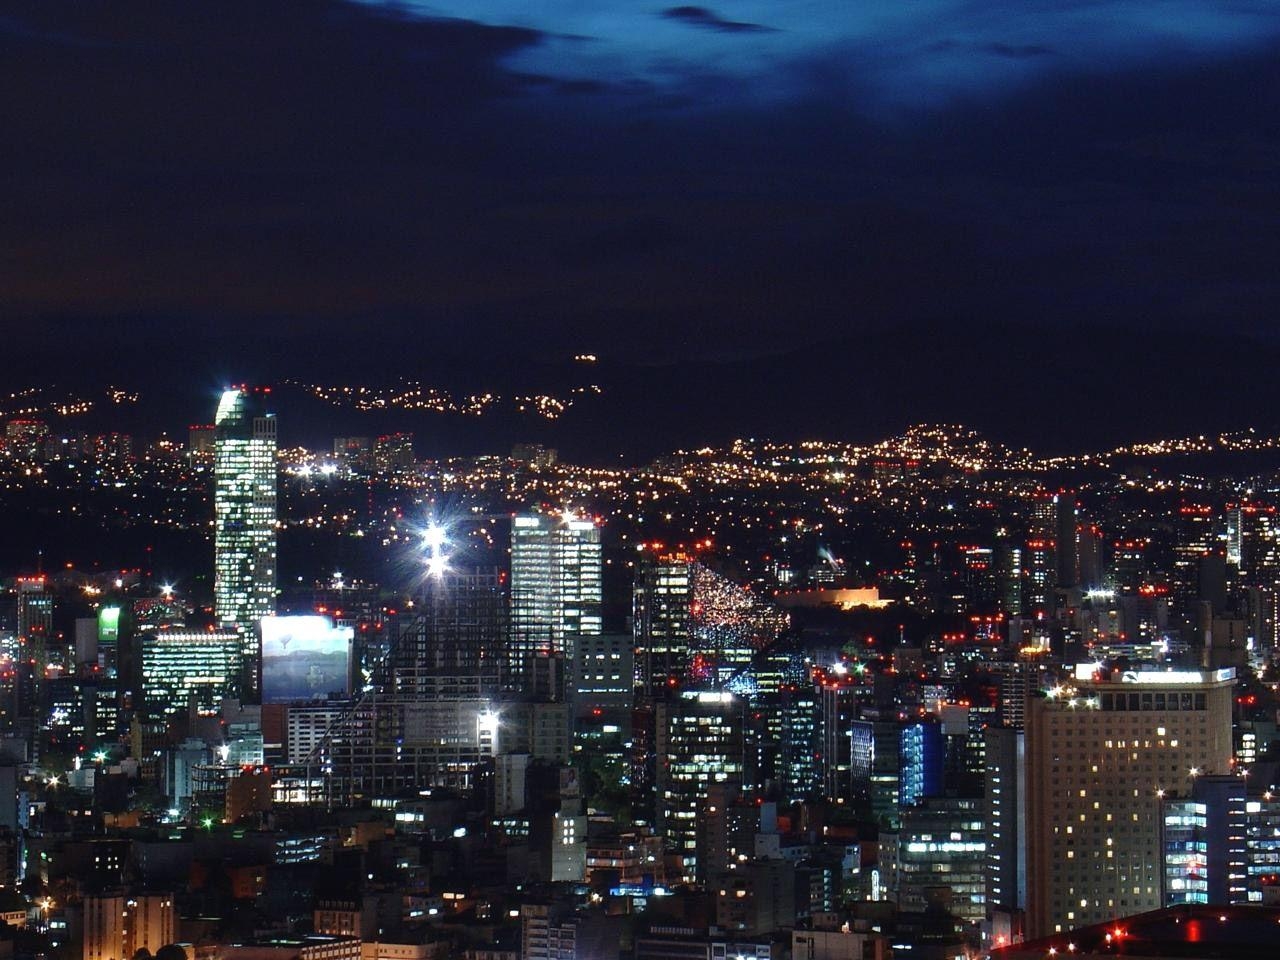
(644, 178)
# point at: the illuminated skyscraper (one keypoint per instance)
(661, 624)
(555, 585)
(1205, 847)
(35, 620)
(699, 744)
(1099, 757)
(244, 506)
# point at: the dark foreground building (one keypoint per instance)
(1190, 932)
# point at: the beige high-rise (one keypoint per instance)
(1100, 756)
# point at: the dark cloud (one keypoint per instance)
(1018, 51)
(702, 17)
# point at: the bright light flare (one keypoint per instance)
(435, 537)
(437, 566)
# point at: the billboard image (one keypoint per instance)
(303, 658)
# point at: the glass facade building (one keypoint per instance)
(556, 591)
(1205, 848)
(245, 523)
(660, 614)
(699, 744)
(180, 664)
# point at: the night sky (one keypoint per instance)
(653, 182)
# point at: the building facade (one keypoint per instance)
(556, 589)
(1100, 755)
(244, 506)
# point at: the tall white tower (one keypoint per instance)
(244, 504)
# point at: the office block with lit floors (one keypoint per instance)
(244, 504)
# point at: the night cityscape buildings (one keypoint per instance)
(617, 481)
(764, 698)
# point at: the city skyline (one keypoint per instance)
(621, 481)
(1018, 694)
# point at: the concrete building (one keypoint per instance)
(1099, 756)
(315, 947)
(117, 924)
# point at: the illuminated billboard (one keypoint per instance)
(304, 658)
(109, 627)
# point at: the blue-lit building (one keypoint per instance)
(922, 761)
(1205, 847)
(875, 765)
(795, 721)
(1262, 843)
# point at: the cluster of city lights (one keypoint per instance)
(728, 623)
(413, 395)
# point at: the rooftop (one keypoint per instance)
(1189, 932)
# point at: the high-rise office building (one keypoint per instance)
(697, 629)
(1262, 842)
(1005, 816)
(699, 744)
(180, 667)
(35, 615)
(876, 767)
(1099, 755)
(661, 624)
(244, 506)
(793, 718)
(36, 646)
(941, 842)
(921, 762)
(556, 572)
(602, 677)
(1066, 540)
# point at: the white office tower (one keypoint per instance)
(244, 505)
(555, 587)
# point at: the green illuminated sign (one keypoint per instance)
(109, 626)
